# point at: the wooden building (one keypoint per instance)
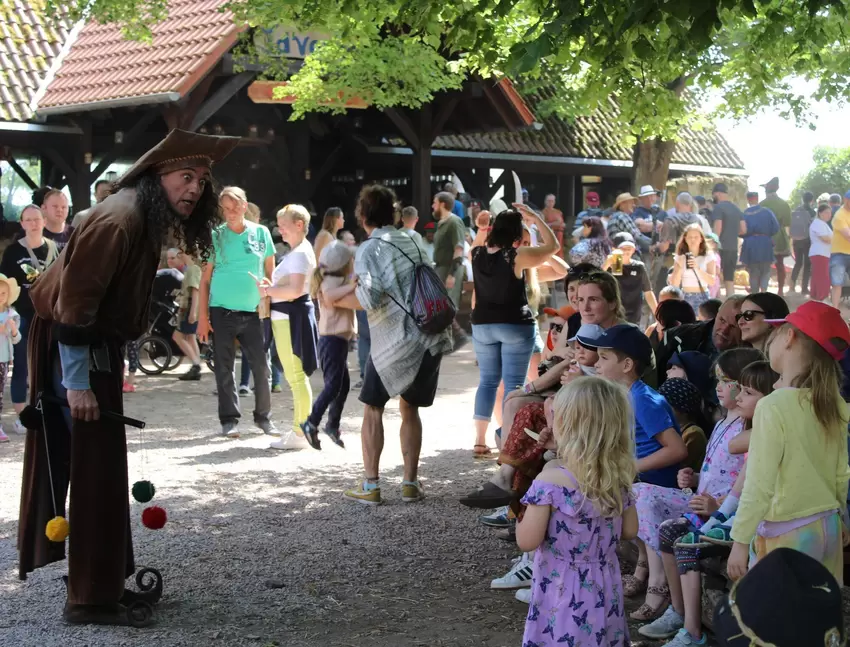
(80, 97)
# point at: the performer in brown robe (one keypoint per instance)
(92, 300)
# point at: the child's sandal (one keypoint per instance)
(648, 613)
(692, 540)
(719, 536)
(632, 585)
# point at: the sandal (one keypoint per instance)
(719, 536)
(481, 451)
(632, 585)
(694, 539)
(648, 613)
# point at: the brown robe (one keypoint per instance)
(97, 293)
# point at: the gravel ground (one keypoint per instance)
(261, 548)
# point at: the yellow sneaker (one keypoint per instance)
(372, 496)
(412, 491)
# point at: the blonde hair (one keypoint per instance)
(296, 212)
(594, 431)
(823, 377)
(235, 193)
(252, 213)
(320, 273)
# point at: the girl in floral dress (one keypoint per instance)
(656, 505)
(579, 507)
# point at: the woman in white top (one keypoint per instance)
(821, 236)
(293, 317)
(693, 266)
(333, 222)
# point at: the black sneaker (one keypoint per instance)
(334, 436)
(311, 433)
(192, 375)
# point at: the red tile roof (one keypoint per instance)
(102, 65)
(29, 43)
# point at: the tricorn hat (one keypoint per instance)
(181, 149)
(772, 185)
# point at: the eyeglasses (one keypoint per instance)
(748, 315)
(556, 327)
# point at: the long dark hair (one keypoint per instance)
(506, 230)
(597, 229)
(194, 234)
(774, 306)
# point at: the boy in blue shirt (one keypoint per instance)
(624, 354)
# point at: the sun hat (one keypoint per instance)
(623, 197)
(788, 599)
(335, 256)
(14, 288)
(822, 323)
(588, 334)
(646, 190)
(626, 338)
(682, 395)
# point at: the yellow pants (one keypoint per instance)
(299, 383)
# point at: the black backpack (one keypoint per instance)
(429, 303)
(800, 221)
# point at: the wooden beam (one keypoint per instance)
(21, 172)
(442, 117)
(129, 138)
(327, 167)
(421, 179)
(54, 156)
(405, 128)
(194, 102)
(221, 96)
(507, 119)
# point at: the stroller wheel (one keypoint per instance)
(154, 355)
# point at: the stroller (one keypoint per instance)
(157, 350)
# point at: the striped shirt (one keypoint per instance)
(398, 346)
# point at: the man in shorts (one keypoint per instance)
(839, 258)
(187, 317)
(727, 222)
(404, 361)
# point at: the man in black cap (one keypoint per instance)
(89, 303)
(788, 599)
(752, 198)
(781, 240)
(727, 223)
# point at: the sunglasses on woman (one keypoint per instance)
(748, 315)
(556, 327)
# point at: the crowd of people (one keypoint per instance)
(718, 432)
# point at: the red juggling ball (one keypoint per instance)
(154, 517)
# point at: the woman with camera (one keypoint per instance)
(693, 266)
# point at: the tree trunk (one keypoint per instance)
(652, 163)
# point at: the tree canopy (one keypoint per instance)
(830, 173)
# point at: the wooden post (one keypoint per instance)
(80, 183)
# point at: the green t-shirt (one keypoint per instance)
(449, 234)
(782, 211)
(236, 257)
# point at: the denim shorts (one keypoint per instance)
(839, 267)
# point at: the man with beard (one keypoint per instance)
(708, 337)
(90, 302)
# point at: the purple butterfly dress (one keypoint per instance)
(577, 589)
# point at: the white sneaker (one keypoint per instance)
(523, 595)
(19, 428)
(666, 626)
(289, 441)
(519, 577)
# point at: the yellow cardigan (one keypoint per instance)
(793, 469)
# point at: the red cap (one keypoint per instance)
(564, 312)
(430, 225)
(592, 197)
(822, 323)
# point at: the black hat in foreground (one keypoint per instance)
(788, 599)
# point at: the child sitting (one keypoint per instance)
(579, 508)
(331, 282)
(683, 619)
(796, 487)
(658, 507)
(686, 401)
(695, 367)
(10, 322)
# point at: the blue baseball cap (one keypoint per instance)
(589, 332)
(626, 338)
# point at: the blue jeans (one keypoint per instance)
(839, 268)
(503, 352)
(20, 371)
(364, 340)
